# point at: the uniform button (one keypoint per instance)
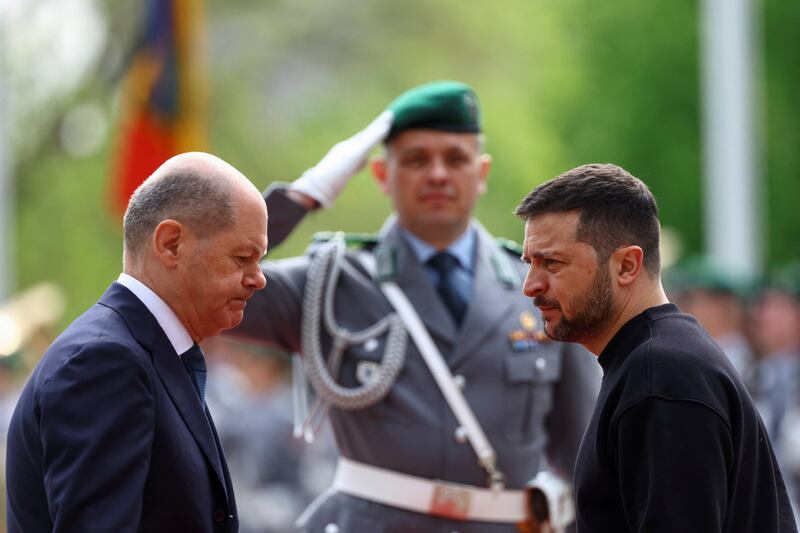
(219, 516)
(331, 528)
(461, 435)
(371, 345)
(460, 381)
(541, 363)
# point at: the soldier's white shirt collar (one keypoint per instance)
(462, 248)
(176, 332)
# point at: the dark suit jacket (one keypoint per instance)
(109, 434)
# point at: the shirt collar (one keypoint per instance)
(176, 332)
(462, 248)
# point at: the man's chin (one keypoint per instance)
(557, 331)
(551, 330)
(234, 318)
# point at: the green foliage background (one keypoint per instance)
(561, 84)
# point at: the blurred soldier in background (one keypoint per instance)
(712, 295)
(275, 475)
(775, 383)
(407, 462)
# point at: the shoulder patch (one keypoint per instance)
(355, 240)
(509, 246)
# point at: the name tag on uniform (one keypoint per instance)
(523, 340)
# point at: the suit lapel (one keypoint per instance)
(492, 299)
(171, 371)
(411, 277)
(228, 484)
(184, 396)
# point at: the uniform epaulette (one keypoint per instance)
(358, 240)
(510, 246)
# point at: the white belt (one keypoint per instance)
(433, 497)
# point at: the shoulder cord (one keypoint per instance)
(318, 299)
(322, 375)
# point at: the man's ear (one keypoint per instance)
(167, 237)
(627, 264)
(485, 165)
(378, 167)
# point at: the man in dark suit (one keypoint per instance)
(111, 432)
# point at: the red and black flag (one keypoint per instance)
(164, 96)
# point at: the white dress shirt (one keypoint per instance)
(176, 332)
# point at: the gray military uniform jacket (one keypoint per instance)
(533, 399)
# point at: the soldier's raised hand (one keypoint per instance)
(324, 181)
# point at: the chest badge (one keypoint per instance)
(527, 320)
(527, 338)
(523, 340)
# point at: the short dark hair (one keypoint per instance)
(191, 197)
(615, 209)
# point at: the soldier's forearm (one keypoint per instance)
(285, 212)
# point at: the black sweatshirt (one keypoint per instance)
(675, 443)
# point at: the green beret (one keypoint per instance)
(439, 105)
(701, 272)
(786, 279)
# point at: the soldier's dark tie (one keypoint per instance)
(445, 265)
(195, 364)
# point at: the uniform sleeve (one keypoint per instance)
(272, 316)
(97, 416)
(574, 397)
(673, 458)
(284, 214)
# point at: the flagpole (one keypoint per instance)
(733, 217)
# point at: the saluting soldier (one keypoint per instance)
(444, 395)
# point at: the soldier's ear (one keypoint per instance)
(485, 165)
(378, 167)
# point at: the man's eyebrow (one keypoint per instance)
(250, 248)
(540, 254)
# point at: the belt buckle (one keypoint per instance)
(449, 501)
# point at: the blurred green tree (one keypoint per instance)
(561, 84)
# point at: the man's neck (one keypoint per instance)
(162, 289)
(439, 238)
(633, 304)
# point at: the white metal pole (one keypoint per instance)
(733, 222)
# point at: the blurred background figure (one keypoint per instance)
(714, 296)
(26, 330)
(275, 476)
(775, 383)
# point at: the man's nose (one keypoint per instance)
(534, 283)
(256, 279)
(438, 170)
